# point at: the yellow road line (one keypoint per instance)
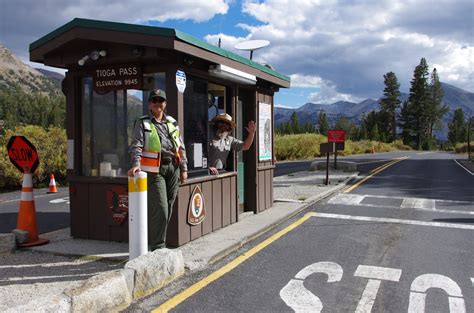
(388, 164)
(173, 302)
(376, 171)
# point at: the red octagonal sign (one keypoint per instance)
(22, 154)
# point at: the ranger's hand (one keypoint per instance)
(251, 127)
(183, 176)
(213, 171)
(131, 172)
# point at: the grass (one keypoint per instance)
(306, 146)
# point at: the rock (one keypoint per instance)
(154, 270)
(21, 236)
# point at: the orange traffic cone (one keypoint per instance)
(52, 184)
(27, 214)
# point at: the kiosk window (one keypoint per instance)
(202, 101)
(107, 124)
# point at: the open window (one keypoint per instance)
(202, 102)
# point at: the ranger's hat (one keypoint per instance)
(157, 93)
(223, 117)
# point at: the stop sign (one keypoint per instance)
(22, 154)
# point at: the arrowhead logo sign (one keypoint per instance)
(22, 154)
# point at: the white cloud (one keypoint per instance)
(350, 45)
(23, 21)
(326, 91)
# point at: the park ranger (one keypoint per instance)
(157, 148)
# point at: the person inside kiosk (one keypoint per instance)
(157, 148)
(222, 142)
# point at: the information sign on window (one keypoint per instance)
(264, 131)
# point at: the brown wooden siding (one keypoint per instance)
(79, 210)
(221, 209)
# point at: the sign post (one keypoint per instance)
(24, 156)
(328, 147)
(338, 137)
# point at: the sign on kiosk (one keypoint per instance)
(22, 154)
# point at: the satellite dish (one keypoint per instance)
(252, 45)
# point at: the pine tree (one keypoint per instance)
(390, 103)
(294, 125)
(343, 124)
(323, 123)
(407, 124)
(419, 102)
(374, 133)
(436, 109)
(457, 128)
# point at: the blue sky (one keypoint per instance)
(333, 50)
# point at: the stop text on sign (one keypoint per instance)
(336, 136)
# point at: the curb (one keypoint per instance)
(114, 290)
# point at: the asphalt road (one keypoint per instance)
(52, 210)
(402, 241)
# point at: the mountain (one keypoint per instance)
(308, 113)
(13, 72)
(50, 74)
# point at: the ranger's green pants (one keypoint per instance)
(162, 191)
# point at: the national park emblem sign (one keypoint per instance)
(196, 207)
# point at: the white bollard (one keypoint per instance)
(137, 215)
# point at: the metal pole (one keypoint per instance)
(469, 139)
(335, 159)
(137, 215)
(327, 169)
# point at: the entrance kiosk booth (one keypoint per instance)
(111, 67)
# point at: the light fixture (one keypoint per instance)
(94, 56)
(82, 61)
(232, 74)
(136, 51)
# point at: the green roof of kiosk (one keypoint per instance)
(153, 30)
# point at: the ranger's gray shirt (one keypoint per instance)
(219, 149)
(167, 147)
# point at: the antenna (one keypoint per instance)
(252, 45)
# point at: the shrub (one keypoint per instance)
(306, 146)
(51, 147)
(462, 147)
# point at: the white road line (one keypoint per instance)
(418, 203)
(465, 168)
(377, 272)
(391, 220)
(61, 200)
(347, 198)
(437, 200)
(367, 300)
